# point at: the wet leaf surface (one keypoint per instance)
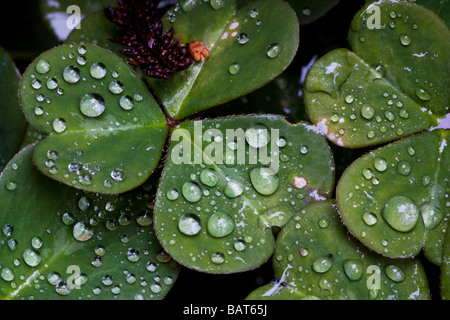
(97, 113)
(217, 202)
(55, 238)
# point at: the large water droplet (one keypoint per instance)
(98, 70)
(257, 135)
(353, 268)
(191, 191)
(401, 213)
(264, 180)
(92, 105)
(189, 224)
(273, 50)
(82, 231)
(71, 74)
(220, 224)
(209, 177)
(395, 273)
(322, 264)
(31, 257)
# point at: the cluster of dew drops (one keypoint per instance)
(83, 231)
(91, 105)
(220, 224)
(273, 50)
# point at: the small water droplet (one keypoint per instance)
(370, 218)
(353, 269)
(36, 84)
(31, 257)
(59, 125)
(234, 68)
(54, 278)
(81, 60)
(209, 177)
(401, 213)
(240, 245)
(323, 223)
(218, 258)
(145, 219)
(322, 264)
(71, 74)
(82, 231)
(253, 13)
(191, 191)
(217, 4)
(273, 50)
(36, 242)
(82, 50)
(133, 255)
(11, 185)
(172, 194)
(189, 224)
(422, 94)
(126, 103)
(116, 87)
(367, 112)
(243, 38)
(367, 173)
(350, 98)
(98, 70)
(42, 66)
(188, 5)
(404, 168)
(395, 273)
(405, 39)
(7, 274)
(52, 83)
(380, 164)
(220, 224)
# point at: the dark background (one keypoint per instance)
(24, 35)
